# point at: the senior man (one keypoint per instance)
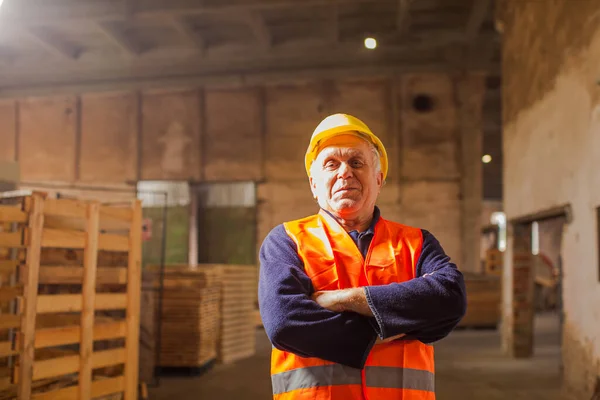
(351, 301)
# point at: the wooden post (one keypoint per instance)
(30, 289)
(133, 303)
(90, 261)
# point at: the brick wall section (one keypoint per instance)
(551, 151)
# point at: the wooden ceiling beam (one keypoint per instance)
(47, 14)
(53, 44)
(190, 34)
(260, 30)
(118, 36)
(402, 17)
(479, 10)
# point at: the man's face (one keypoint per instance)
(344, 179)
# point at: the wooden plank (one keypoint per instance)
(8, 267)
(88, 290)
(12, 214)
(27, 350)
(65, 208)
(6, 349)
(70, 364)
(8, 321)
(73, 302)
(11, 239)
(112, 242)
(134, 283)
(66, 275)
(100, 388)
(70, 334)
(63, 239)
(9, 293)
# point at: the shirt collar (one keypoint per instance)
(371, 228)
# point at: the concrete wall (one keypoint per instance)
(261, 134)
(552, 147)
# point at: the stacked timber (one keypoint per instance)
(238, 318)
(189, 320)
(483, 300)
(77, 263)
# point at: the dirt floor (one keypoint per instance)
(470, 366)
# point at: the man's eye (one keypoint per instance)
(330, 164)
(356, 164)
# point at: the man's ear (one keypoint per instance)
(380, 180)
(313, 187)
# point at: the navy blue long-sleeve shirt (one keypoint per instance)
(426, 308)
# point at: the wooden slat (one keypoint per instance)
(63, 238)
(113, 242)
(65, 275)
(8, 321)
(12, 214)
(116, 213)
(90, 258)
(26, 362)
(55, 303)
(9, 293)
(65, 208)
(11, 239)
(70, 364)
(71, 334)
(6, 349)
(8, 267)
(134, 283)
(100, 388)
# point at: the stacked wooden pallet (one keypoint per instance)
(189, 327)
(238, 318)
(483, 300)
(79, 311)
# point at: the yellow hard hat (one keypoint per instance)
(340, 124)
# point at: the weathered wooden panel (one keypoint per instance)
(7, 130)
(47, 138)
(109, 138)
(292, 114)
(171, 135)
(233, 129)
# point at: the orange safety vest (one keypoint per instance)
(402, 369)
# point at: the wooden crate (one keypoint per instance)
(484, 299)
(189, 321)
(78, 265)
(237, 338)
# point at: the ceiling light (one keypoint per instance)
(486, 159)
(370, 43)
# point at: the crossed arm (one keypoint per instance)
(343, 325)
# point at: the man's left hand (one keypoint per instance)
(353, 299)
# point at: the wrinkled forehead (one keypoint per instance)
(343, 145)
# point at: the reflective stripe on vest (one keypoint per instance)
(402, 369)
(335, 374)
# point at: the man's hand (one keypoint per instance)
(353, 299)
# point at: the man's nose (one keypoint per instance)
(345, 171)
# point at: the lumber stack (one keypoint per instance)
(483, 300)
(79, 274)
(238, 318)
(189, 327)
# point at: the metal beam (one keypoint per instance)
(477, 16)
(118, 36)
(53, 44)
(187, 30)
